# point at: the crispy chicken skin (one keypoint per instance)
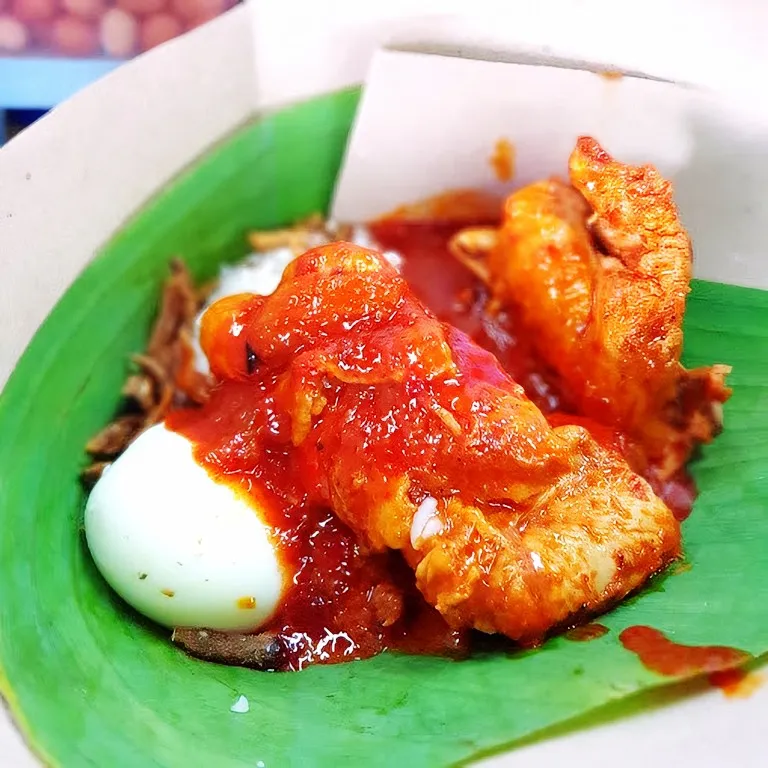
(600, 269)
(417, 439)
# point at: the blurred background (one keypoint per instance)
(51, 48)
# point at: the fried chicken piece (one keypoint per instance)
(417, 439)
(600, 270)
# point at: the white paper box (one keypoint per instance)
(70, 181)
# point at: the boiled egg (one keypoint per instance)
(181, 547)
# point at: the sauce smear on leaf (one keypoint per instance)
(666, 657)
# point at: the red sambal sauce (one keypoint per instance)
(457, 297)
(665, 657)
(343, 603)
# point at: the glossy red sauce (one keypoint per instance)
(736, 683)
(344, 603)
(662, 655)
(457, 297)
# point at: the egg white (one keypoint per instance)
(180, 547)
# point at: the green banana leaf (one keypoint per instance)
(91, 683)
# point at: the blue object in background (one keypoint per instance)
(28, 83)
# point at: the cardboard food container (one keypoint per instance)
(240, 125)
